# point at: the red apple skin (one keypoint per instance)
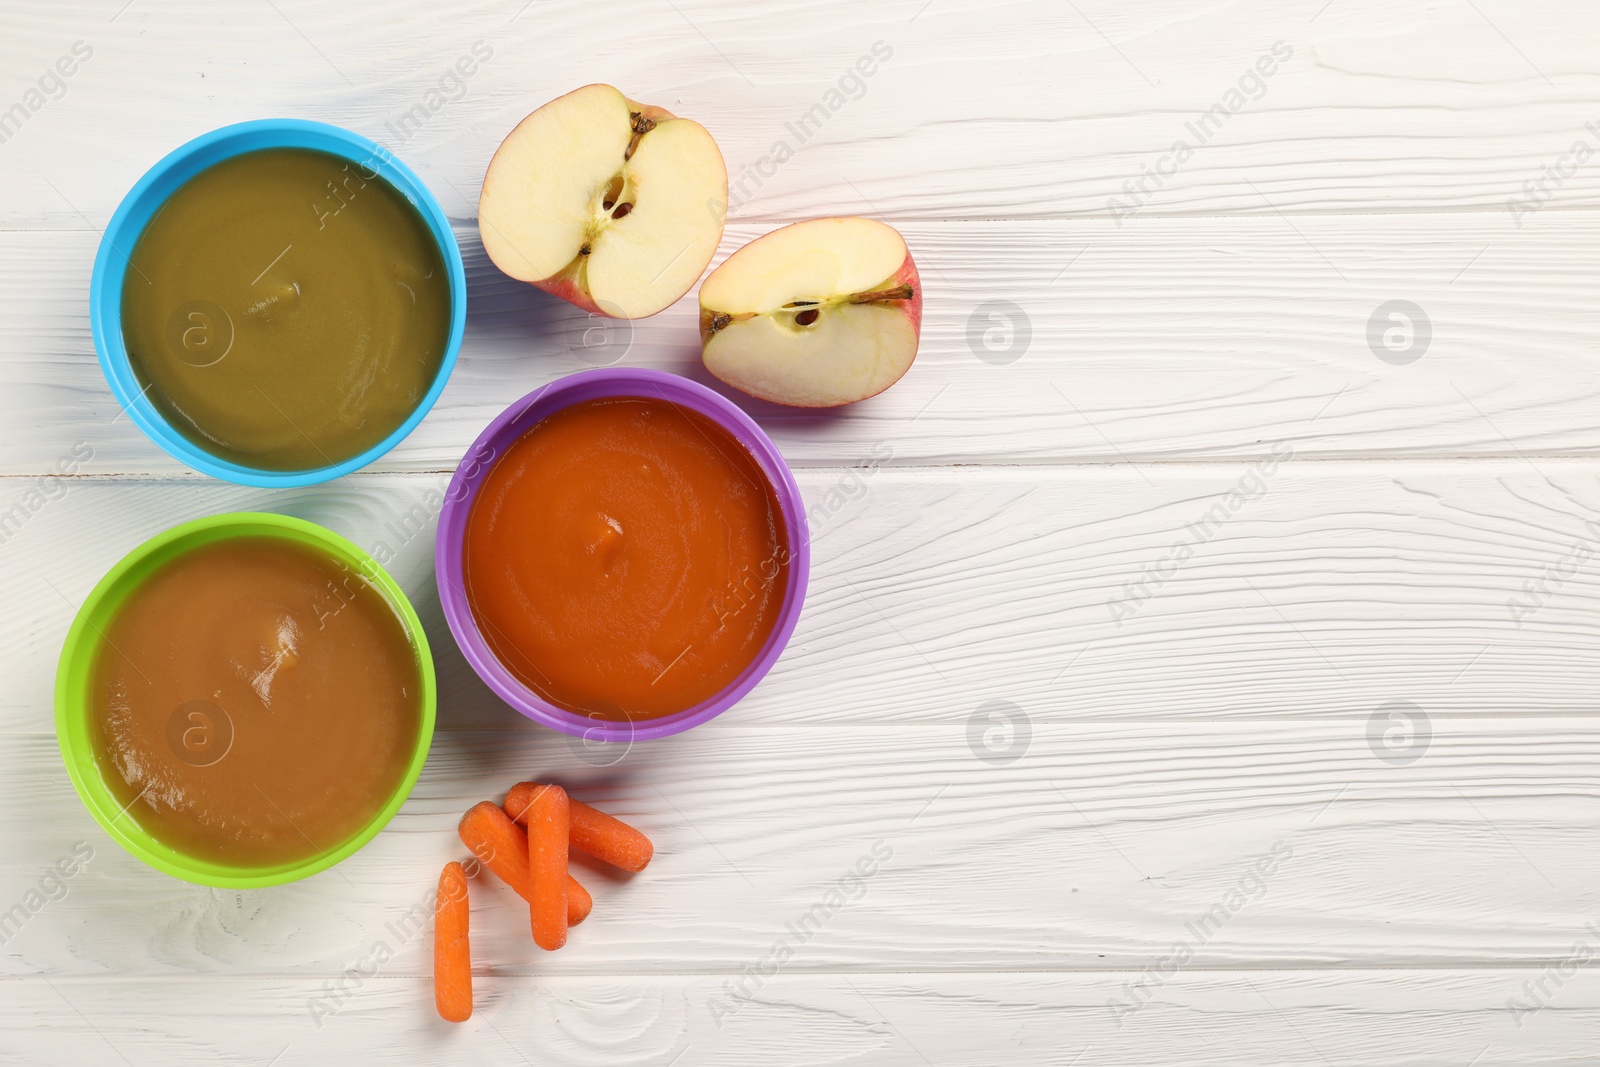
(907, 275)
(650, 111)
(563, 286)
(912, 309)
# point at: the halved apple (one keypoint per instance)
(815, 315)
(613, 205)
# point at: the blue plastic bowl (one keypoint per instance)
(152, 191)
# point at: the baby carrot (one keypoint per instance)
(547, 855)
(452, 961)
(579, 902)
(593, 831)
(503, 847)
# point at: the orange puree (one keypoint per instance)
(626, 558)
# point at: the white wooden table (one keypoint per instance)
(1293, 617)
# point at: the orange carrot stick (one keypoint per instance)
(502, 846)
(547, 855)
(452, 960)
(579, 902)
(593, 831)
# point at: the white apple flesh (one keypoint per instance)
(816, 314)
(613, 205)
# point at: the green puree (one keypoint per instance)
(287, 309)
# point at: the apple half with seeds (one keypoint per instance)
(612, 205)
(816, 314)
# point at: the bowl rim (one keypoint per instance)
(150, 193)
(508, 427)
(73, 673)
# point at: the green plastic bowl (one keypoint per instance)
(74, 673)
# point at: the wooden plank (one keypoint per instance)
(1078, 847)
(1172, 339)
(1039, 110)
(1296, 590)
(1272, 1019)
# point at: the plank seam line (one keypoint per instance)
(1198, 463)
(1487, 968)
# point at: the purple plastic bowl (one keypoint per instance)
(517, 420)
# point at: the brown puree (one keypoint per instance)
(286, 309)
(258, 702)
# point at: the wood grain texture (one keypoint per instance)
(1172, 339)
(1097, 847)
(1074, 651)
(1206, 1019)
(1313, 590)
(1023, 109)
